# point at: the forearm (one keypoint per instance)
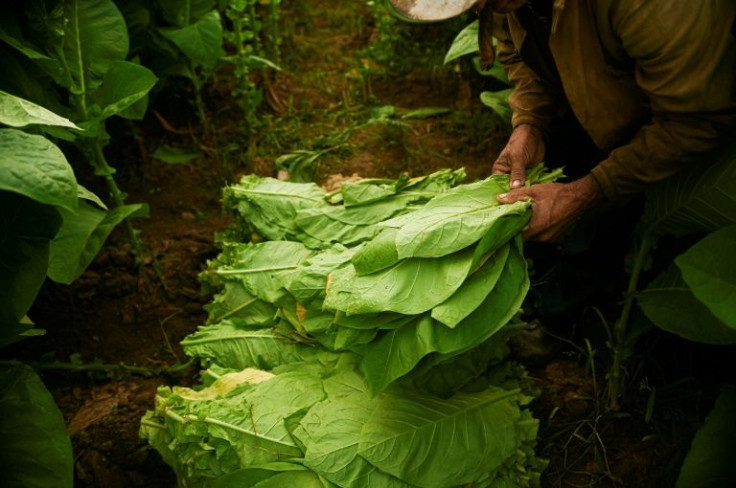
(659, 150)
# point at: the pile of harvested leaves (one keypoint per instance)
(362, 344)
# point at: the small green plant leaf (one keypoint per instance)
(33, 166)
(18, 112)
(81, 237)
(709, 269)
(426, 113)
(499, 102)
(123, 85)
(466, 42)
(36, 451)
(176, 155)
(201, 41)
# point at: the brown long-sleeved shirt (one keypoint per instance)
(651, 81)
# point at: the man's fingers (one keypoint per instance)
(518, 173)
(515, 195)
(502, 165)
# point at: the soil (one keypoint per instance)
(118, 312)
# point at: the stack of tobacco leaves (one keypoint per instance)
(362, 344)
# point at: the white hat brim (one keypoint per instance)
(430, 10)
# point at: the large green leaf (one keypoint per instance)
(81, 237)
(124, 84)
(201, 41)
(36, 451)
(331, 448)
(267, 473)
(473, 292)
(433, 442)
(352, 225)
(398, 352)
(233, 347)
(700, 199)
(212, 433)
(264, 268)
(709, 463)
(271, 206)
(669, 303)
(453, 220)
(709, 268)
(410, 287)
(236, 304)
(33, 166)
(11, 34)
(18, 112)
(95, 36)
(308, 281)
(26, 228)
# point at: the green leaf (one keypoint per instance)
(669, 303)
(270, 205)
(26, 228)
(426, 113)
(81, 237)
(352, 225)
(36, 451)
(253, 476)
(233, 347)
(263, 268)
(176, 155)
(95, 36)
(701, 199)
(18, 112)
(473, 291)
(709, 269)
(410, 287)
(11, 34)
(398, 351)
(499, 102)
(184, 12)
(450, 222)
(426, 441)
(33, 166)
(709, 463)
(124, 84)
(209, 433)
(466, 42)
(332, 447)
(236, 304)
(201, 41)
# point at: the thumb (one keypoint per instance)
(517, 195)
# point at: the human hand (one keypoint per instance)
(525, 149)
(555, 206)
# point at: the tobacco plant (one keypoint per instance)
(71, 56)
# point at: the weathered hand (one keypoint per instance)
(525, 149)
(555, 206)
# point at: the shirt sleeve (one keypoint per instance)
(531, 102)
(685, 63)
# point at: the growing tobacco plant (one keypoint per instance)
(71, 56)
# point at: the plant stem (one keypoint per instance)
(198, 84)
(620, 339)
(103, 368)
(118, 196)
